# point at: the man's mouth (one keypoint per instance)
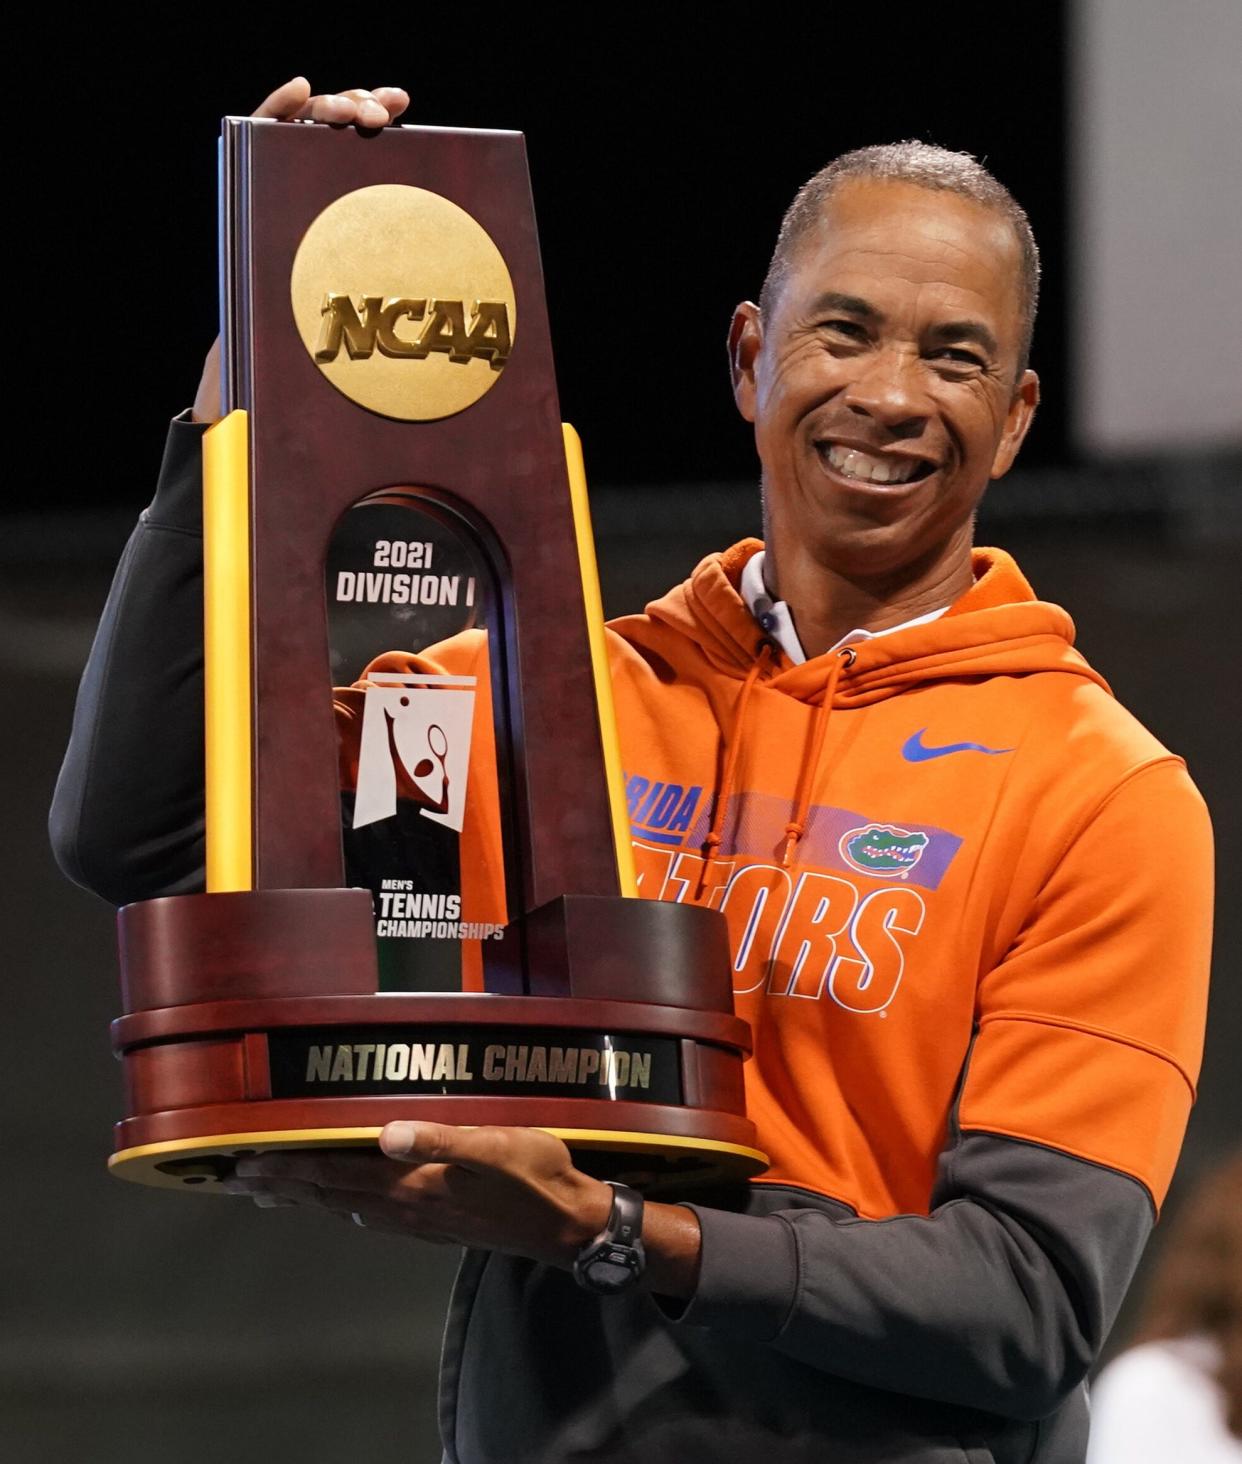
(871, 467)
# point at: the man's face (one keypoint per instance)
(882, 382)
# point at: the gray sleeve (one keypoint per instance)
(127, 815)
(1000, 1299)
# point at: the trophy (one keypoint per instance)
(420, 899)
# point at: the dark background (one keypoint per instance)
(664, 144)
(663, 147)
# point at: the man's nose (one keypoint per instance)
(889, 390)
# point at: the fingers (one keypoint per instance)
(393, 99)
(527, 1155)
(293, 102)
(357, 105)
(423, 1217)
(363, 1172)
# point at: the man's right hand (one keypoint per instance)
(294, 102)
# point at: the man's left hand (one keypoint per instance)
(505, 1189)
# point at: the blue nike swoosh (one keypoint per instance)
(915, 750)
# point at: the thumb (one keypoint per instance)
(286, 101)
(419, 1143)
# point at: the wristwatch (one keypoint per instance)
(615, 1259)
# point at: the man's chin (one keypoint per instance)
(882, 554)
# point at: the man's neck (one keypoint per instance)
(827, 604)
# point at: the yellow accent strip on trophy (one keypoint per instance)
(230, 1143)
(142, 1163)
(226, 636)
(626, 873)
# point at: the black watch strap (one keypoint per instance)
(615, 1259)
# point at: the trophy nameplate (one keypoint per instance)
(391, 484)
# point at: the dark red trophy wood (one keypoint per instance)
(416, 902)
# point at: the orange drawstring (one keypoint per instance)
(796, 826)
(712, 841)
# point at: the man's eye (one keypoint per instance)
(958, 357)
(850, 328)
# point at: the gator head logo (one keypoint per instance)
(882, 849)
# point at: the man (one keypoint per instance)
(968, 898)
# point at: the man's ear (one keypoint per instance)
(1017, 423)
(745, 340)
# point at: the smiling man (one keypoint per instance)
(968, 899)
(885, 372)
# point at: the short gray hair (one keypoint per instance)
(927, 166)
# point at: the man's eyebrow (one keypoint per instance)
(847, 305)
(965, 330)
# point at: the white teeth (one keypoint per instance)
(852, 463)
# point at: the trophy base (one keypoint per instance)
(253, 1022)
(652, 1162)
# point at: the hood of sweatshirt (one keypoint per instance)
(997, 628)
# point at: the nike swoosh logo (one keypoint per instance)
(916, 751)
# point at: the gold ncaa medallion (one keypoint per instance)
(404, 302)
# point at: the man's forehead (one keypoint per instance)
(879, 228)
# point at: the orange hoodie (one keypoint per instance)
(947, 857)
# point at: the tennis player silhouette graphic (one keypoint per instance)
(415, 745)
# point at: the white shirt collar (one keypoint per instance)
(774, 617)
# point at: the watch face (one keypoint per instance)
(615, 1259)
(613, 1271)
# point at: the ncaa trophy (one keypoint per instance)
(420, 894)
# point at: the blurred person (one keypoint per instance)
(1176, 1394)
(968, 898)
